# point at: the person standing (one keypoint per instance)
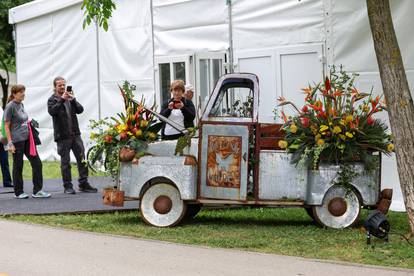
(63, 107)
(21, 142)
(4, 159)
(178, 109)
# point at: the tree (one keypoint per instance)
(397, 95)
(7, 53)
(99, 10)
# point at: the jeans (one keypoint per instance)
(23, 148)
(64, 147)
(5, 170)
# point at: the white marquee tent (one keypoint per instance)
(287, 43)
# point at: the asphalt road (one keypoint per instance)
(39, 250)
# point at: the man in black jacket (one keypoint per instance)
(63, 107)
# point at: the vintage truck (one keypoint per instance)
(236, 161)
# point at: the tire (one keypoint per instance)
(192, 211)
(340, 208)
(309, 211)
(161, 205)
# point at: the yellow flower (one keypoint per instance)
(152, 135)
(337, 130)
(92, 136)
(282, 144)
(293, 128)
(144, 123)
(314, 129)
(320, 142)
(342, 122)
(129, 133)
(121, 128)
(323, 128)
(349, 118)
(390, 147)
(349, 134)
(138, 133)
(365, 108)
(343, 137)
(317, 137)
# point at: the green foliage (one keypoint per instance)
(99, 11)
(185, 141)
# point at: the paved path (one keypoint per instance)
(39, 250)
(60, 202)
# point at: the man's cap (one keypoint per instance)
(189, 87)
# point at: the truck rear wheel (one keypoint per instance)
(340, 208)
(161, 205)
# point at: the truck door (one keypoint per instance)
(227, 128)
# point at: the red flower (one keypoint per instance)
(108, 139)
(370, 120)
(321, 114)
(327, 84)
(123, 135)
(304, 121)
(305, 108)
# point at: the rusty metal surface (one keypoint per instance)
(319, 181)
(134, 176)
(237, 192)
(278, 179)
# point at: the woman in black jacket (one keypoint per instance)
(177, 109)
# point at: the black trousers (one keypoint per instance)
(5, 170)
(23, 148)
(64, 147)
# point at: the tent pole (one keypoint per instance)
(231, 61)
(153, 54)
(98, 70)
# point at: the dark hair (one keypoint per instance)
(14, 90)
(56, 80)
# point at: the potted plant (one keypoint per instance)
(121, 138)
(336, 126)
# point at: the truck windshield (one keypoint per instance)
(235, 99)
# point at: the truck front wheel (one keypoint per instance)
(340, 208)
(161, 205)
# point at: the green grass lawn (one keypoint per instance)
(271, 230)
(51, 170)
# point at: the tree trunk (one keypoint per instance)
(397, 95)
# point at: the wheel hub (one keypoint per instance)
(162, 204)
(337, 206)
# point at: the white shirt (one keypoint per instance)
(176, 116)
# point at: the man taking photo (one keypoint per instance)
(63, 107)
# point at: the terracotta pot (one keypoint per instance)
(126, 154)
(107, 196)
(117, 198)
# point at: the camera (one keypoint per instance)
(69, 89)
(175, 104)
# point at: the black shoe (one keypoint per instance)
(87, 188)
(69, 191)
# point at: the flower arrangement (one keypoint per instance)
(336, 123)
(134, 129)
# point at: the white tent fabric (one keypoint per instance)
(178, 30)
(275, 39)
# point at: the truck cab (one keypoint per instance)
(235, 160)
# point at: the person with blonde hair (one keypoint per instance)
(21, 142)
(178, 109)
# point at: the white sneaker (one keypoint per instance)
(21, 196)
(41, 194)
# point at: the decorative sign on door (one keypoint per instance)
(223, 161)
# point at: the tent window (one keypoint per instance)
(165, 81)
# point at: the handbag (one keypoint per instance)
(35, 133)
